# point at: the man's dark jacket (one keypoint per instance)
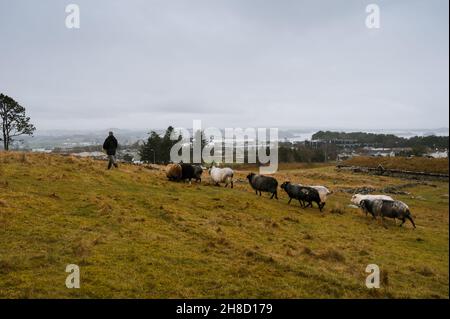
(110, 145)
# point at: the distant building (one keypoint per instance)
(98, 155)
(338, 142)
(41, 150)
(437, 154)
(378, 151)
(133, 154)
(346, 156)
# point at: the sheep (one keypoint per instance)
(188, 172)
(357, 198)
(293, 191)
(303, 194)
(173, 172)
(312, 195)
(323, 192)
(198, 171)
(388, 208)
(263, 183)
(221, 175)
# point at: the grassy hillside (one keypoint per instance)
(416, 164)
(134, 234)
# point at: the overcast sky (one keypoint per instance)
(230, 63)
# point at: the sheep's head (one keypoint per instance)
(356, 199)
(250, 176)
(283, 186)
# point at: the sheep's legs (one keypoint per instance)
(411, 220)
(321, 206)
(380, 221)
(231, 183)
(289, 200)
(383, 222)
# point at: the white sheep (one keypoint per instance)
(357, 198)
(221, 175)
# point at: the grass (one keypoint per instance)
(136, 235)
(417, 164)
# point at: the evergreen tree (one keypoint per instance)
(198, 136)
(150, 150)
(13, 121)
(157, 148)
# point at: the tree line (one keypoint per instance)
(385, 140)
(156, 149)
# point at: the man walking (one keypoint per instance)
(110, 146)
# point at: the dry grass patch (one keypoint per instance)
(136, 235)
(417, 164)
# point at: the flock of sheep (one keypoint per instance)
(376, 205)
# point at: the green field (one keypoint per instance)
(136, 235)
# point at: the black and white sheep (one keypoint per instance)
(261, 183)
(323, 192)
(198, 171)
(303, 194)
(357, 198)
(387, 208)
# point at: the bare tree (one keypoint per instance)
(13, 121)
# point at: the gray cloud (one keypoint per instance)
(142, 64)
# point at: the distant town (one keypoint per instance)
(295, 145)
